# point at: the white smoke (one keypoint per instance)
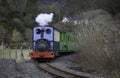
(43, 18)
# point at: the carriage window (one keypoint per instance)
(48, 31)
(38, 31)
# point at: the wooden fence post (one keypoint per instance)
(22, 55)
(29, 52)
(16, 53)
(2, 50)
(9, 52)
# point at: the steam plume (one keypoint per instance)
(43, 18)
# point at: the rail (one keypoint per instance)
(57, 72)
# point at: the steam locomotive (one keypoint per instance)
(49, 42)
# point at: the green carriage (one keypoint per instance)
(66, 42)
(65, 39)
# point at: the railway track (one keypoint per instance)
(60, 73)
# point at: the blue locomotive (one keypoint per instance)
(48, 42)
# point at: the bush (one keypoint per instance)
(14, 45)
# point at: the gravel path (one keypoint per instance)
(11, 69)
(29, 70)
(7, 68)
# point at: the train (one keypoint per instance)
(49, 42)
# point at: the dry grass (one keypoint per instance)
(97, 40)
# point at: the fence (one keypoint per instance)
(19, 55)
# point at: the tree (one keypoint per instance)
(2, 34)
(75, 6)
(28, 35)
(16, 36)
(28, 38)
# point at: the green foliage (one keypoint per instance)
(75, 6)
(20, 14)
(16, 36)
(28, 35)
(16, 23)
(54, 8)
(2, 33)
(32, 8)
